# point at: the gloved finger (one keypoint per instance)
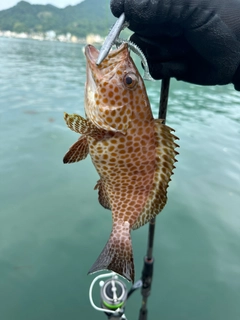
(216, 43)
(142, 16)
(236, 79)
(117, 7)
(189, 70)
(163, 48)
(173, 69)
(165, 56)
(175, 57)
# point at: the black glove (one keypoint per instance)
(197, 41)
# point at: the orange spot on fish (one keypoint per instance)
(109, 119)
(111, 148)
(125, 119)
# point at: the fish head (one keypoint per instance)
(112, 89)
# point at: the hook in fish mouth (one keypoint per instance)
(113, 39)
(113, 34)
(116, 55)
(92, 53)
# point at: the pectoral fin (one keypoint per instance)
(78, 151)
(83, 126)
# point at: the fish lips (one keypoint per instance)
(91, 54)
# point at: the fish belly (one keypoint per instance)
(126, 165)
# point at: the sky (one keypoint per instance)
(5, 4)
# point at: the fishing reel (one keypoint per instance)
(113, 294)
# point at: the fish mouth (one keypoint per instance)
(113, 58)
(91, 53)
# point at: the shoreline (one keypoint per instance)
(51, 36)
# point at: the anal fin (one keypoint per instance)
(78, 151)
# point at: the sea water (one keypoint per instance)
(52, 227)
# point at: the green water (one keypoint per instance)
(52, 227)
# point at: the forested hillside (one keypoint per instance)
(89, 16)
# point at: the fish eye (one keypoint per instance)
(130, 80)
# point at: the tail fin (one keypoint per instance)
(117, 254)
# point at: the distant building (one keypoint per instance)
(93, 38)
(74, 39)
(50, 35)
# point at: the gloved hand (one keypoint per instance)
(197, 41)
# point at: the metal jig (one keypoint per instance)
(113, 39)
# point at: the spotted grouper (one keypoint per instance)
(133, 153)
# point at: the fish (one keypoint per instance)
(133, 153)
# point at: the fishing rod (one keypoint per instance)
(113, 291)
(147, 272)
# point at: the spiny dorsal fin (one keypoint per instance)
(78, 151)
(165, 159)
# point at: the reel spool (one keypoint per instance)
(113, 293)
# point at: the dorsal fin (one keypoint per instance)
(165, 159)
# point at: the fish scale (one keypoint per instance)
(133, 153)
